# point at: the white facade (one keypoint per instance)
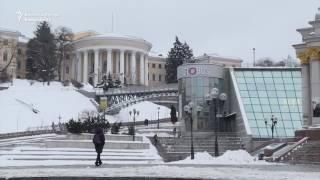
(123, 57)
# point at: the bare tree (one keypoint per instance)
(13, 54)
(63, 38)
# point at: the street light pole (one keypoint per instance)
(188, 111)
(215, 99)
(135, 113)
(274, 121)
(158, 118)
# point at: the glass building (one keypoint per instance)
(195, 81)
(266, 92)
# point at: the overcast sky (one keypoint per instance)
(225, 27)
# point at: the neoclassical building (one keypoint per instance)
(123, 57)
(309, 53)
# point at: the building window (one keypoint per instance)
(67, 56)
(19, 51)
(5, 56)
(160, 66)
(159, 77)
(153, 65)
(67, 69)
(5, 42)
(19, 65)
(153, 77)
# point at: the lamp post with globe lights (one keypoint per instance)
(274, 122)
(134, 113)
(217, 101)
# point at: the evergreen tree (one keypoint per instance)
(179, 54)
(42, 51)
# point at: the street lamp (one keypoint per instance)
(134, 113)
(188, 111)
(274, 121)
(217, 100)
(158, 117)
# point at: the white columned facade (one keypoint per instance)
(122, 66)
(78, 56)
(85, 66)
(96, 67)
(117, 63)
(109, 61)
(142, 68)
(146, 71)
(133, 67)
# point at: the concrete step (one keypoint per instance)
(89, 144)
(109, 137)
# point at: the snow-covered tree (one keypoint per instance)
(179, 54)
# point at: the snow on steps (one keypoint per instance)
(20, 153)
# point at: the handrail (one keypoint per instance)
(287, 150)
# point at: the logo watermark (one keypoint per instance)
(35, 16)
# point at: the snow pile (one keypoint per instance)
(229, 157)
(147, 110)
(87, 87)
(24, 105)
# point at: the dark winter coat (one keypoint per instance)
(98, 140)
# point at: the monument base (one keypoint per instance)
(313, 133)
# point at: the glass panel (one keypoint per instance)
(271, 87)
(251, 86)
(248, 108)
(262, 93)
(278, 80)
(264, 100)
(257, 108)
(266, 108)
(257, 74)
(259, 80)
(255, 101)
(246, 101)
(286, 74)
(249, 80)
(296, 73)
(267, 74)
(241, 80)
(276, 74)
(279, 87)
(288, 80)
(244, 93)
(260, 86)
(268, 80)
(242, 86)
(248, 74)
(272, 93)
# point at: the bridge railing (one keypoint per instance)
(136, 89)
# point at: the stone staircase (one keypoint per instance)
(55, 150)
(308, 153)
(173, 149)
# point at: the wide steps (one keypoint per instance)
(309, 153)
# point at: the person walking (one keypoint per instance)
(98, 141)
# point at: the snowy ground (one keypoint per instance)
(24, 106)
(20, 100)
(192, 172)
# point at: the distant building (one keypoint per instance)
(13, 45)
(157, 70)
(225, 61)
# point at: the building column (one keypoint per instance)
(117, 63)
(122, 66)
(96, 67)
(78, 69)
(142, 70)
(133, 67)
(146, 71)
(109, 62)
(314, 69)
(85, 67)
